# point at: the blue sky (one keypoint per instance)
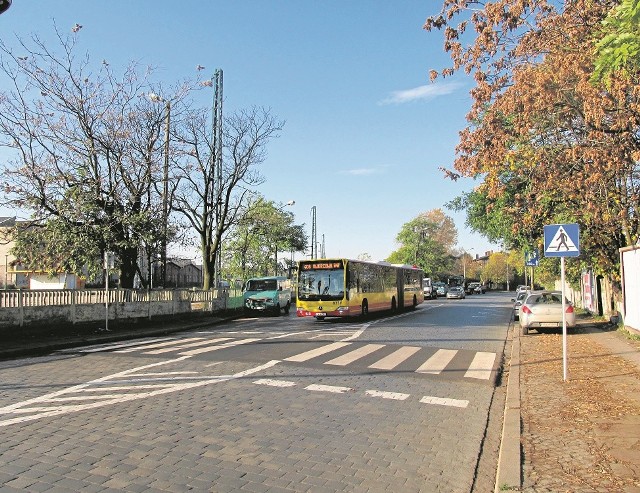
(365, 130)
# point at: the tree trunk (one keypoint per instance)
(129, 261)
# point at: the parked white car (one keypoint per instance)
(543, 309)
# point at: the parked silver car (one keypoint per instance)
(543, 309)
(517, 303)
(456, 292)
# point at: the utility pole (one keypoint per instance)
(216, 170)
(314, 246)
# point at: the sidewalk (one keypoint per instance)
(582, 434)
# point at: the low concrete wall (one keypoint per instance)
(20, 308)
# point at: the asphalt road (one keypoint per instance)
(395, 403)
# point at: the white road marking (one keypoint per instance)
(481, 366)
(289, 334)
(274, 383)
(298, 358)
(185, 346)
(437, 362)
(442, 401)
(43, 412)
(122, 345)
(357, 333)
(161, 344)
(127, 388)
(328, 388)
(388, 395)
(164, 373)
(354, 355)
(209, 349)
(394, 359)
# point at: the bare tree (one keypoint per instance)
(87, 147)
(211, 206)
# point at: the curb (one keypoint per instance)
(508, 474)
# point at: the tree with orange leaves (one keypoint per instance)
(548, 144)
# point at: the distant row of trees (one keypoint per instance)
(118, 162)
(429, 242)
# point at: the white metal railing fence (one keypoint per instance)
(14, 298)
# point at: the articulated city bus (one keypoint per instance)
(346, 288)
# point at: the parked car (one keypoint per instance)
(477, 287)
(456, 292)
(429, 289)
(441, 288)
(517, 303)
(521, 287)
(543, 309)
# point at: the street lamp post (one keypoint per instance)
(464, 263)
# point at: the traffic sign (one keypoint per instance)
(532, 258)
(562, 240)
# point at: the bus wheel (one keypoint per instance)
(276, 311)
(393, 304)
(365, 308)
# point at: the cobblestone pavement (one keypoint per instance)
(583, 434)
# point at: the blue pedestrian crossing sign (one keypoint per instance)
(562, 240)
(532, 258)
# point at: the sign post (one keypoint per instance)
(562, 240)
(108, 264)
(531, 259)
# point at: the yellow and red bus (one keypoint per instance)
(345, 288)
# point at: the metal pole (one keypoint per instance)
(564, 324)
(165, 198)
(216, 170)
(106, 290)
(314, 247)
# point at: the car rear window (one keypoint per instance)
(547, 298)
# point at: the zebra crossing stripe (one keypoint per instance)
(299, 358)
(394, 359)
(185, 346)
(481, 366)
(437, 362)
(354, 355)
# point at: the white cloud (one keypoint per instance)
(364, 171)
(421, 92)
(360, 171)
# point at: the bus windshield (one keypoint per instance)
(321, 284)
